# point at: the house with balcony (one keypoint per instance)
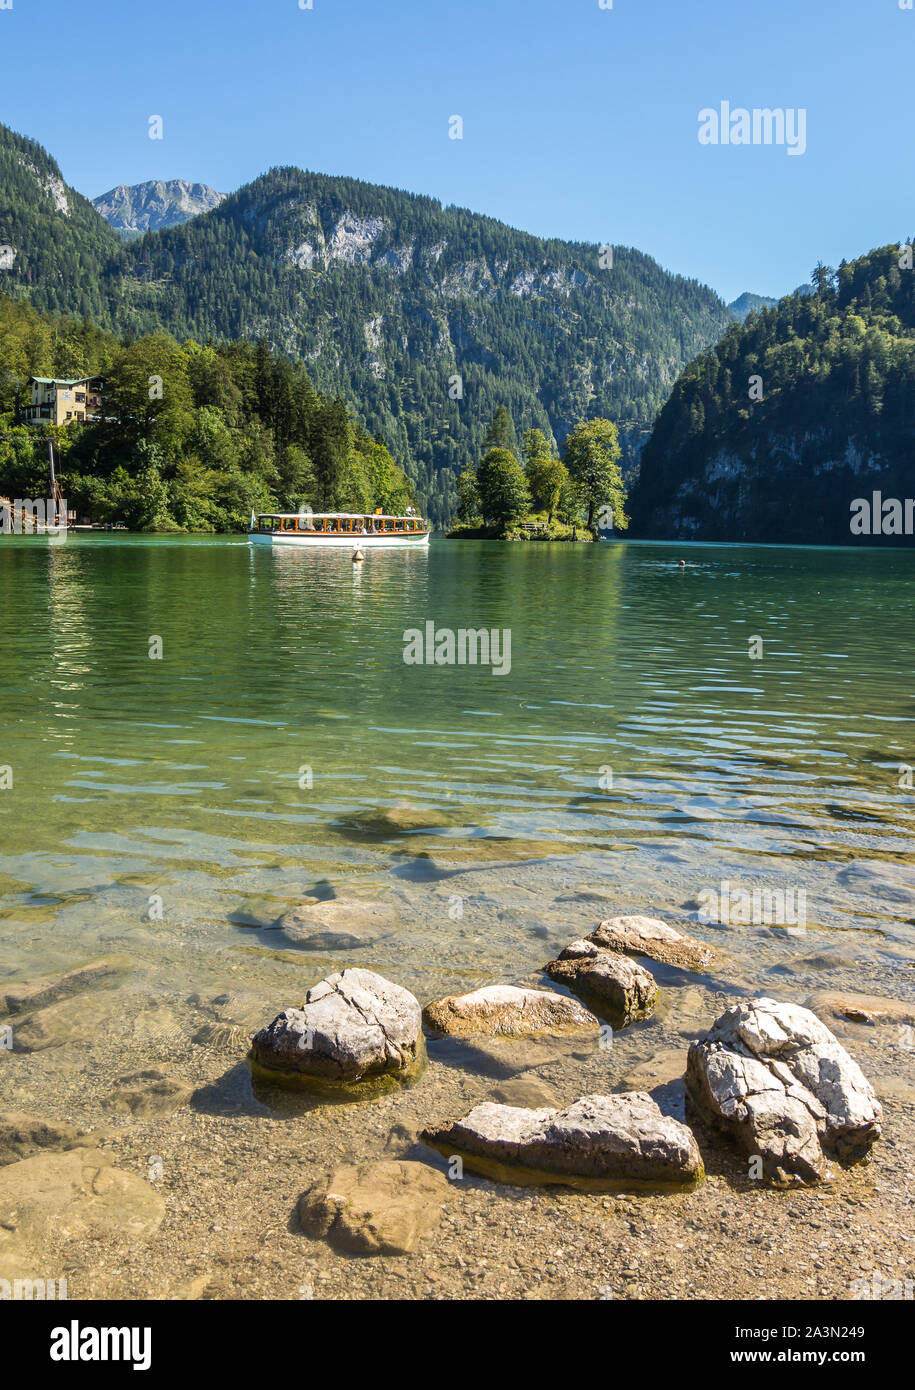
(63, 400)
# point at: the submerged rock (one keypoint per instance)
(398, 820)
(381, 1208)
(842, 1006)
(80, 1018)
(647, 936)
(527, 1091)
(50, 989)
(622, 989)
(507, 1011)
(223, 1037)
(340, 924)
(352, 1026)
(150, 1094)
(600, 1142)
(24, 1135)
(778, 1081)
(76, 1194)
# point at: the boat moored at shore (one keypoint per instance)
(339, 530)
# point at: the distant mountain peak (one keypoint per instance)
(748, 303)
(158, 203)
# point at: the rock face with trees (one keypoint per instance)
(777, 430)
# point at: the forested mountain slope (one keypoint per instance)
(425, 318)
(774, 432)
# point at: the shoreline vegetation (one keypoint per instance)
(533, 494)
(194, 437)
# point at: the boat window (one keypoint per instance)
(389, 524)
(289, 523)
(398, 525)
(319, 523)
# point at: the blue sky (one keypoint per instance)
(579, 122)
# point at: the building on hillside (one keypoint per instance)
(62, 400)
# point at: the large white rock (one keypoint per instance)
(649, 936)
(618, 986)
(352, 1026)
(600, 1141)
(774, 1077)
(509, 1011)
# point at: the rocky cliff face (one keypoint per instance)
(796, 419)
(147, 207)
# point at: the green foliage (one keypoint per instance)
(502, 489)
(501, 432)
(771, 434)
(194, 437)
(546, 475)
(592, 458)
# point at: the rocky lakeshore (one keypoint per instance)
(716, 1145)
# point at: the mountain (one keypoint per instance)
(423, 317)
(57, 251)
(145, 207)
(747, 303)
(773, 433)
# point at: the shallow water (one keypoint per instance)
(634, 749)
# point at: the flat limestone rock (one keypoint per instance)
(50, 989)
(600, 1143)
(380, 1208)
(778, 1081)
(150, 1094)
(341, 924)
(23, 1135)
(622, 989)
(507, 1011)
(647, 936)
(352, 1026)
(78, 1194)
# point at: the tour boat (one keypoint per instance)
(350, 530)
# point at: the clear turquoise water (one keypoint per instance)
(178, 777)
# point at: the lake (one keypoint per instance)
(634, 746)
(199, 731)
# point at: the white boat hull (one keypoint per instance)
(387, 541)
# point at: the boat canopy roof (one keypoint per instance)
(351, 516)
